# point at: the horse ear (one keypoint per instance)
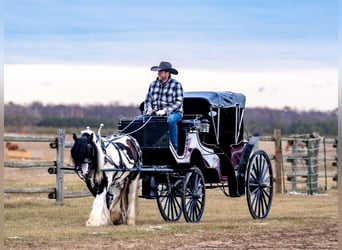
(74, 136)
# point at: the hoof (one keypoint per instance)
(92, 223)
(130, 222)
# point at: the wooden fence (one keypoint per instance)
(320, 156)
(56, 167)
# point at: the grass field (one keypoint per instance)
(32, 221)
(295, 222)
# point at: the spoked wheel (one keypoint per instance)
(193, 199)
(170, 201)
(259, 185)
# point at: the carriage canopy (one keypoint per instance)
(224, 110)
(224, 99)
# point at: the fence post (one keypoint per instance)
(59, 165)
(277, 159)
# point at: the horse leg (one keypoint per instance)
(99, 215)
(116, 215)
(124, 201)
(132, 201)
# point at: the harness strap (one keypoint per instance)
(108, 159)
(103, 147)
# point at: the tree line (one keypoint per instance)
(36, 114)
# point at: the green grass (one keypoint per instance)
(35, 221)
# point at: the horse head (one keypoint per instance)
(87, 156)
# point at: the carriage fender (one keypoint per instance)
(196, 158)
(247, 153)
(249, 147)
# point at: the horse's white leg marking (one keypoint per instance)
(99, 215)
(132, 201)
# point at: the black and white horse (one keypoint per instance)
(115, 192)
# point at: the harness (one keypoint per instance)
(108, 159)
(93, 155)
(122, 175)
(118, 180)
(121, 164)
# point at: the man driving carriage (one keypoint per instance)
(165, 97)
(213, 149)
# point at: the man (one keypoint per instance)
(165, 97)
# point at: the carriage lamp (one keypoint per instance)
(204, 126)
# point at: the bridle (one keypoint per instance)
(90, 154)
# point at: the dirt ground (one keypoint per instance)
(317, 233)
(320, 238)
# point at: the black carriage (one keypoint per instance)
(213, 153)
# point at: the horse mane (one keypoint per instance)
(100, 157)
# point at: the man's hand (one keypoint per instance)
(161, 112)
(149, 112)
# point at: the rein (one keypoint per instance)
(141, 127)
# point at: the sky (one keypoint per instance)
(278, 53)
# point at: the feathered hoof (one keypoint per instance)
(130, 222)
(94, 223)
(116, 218)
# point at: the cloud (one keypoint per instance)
(106, 84)
(230, 35)
(261, 89)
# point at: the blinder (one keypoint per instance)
(90, 151)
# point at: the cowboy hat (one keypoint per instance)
(165, 66)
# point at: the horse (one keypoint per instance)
(107, 165)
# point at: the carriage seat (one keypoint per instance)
(186, 125)
(189, 124)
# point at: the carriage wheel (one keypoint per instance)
(259, 185)
(169, 201)
(193, 199)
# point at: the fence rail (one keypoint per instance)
(56, 167)
(32, 164)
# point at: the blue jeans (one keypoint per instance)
(172, 120)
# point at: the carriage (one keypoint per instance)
(213, 153)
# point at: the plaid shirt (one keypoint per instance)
(168, 96)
